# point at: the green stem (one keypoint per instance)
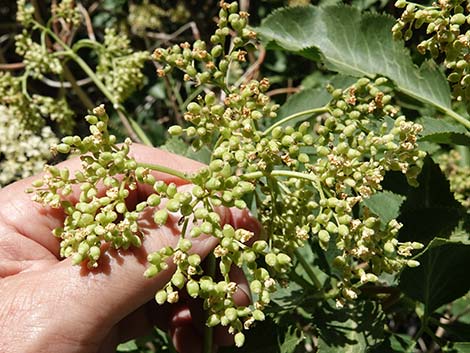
(308, 270)
(84, 66)
(77, 89)
(441, 108)
(207, 344)
(321, 110)
(282, 173)
(192, 96)
(166, 170)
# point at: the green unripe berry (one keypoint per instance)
(283, 259)
(458, 19)
(239, 339)
(175, 130)
(271, 259)
(194, 108)
(160, 217)
(194, 260)
(173, 205)
(231, 314)
(153, 200)
(412, 263)
(324, 236)
(258, 315)
(178, 279)
(77, 259)
(207, 228)
(161, 297)
(94, 253)
(192, 287)
(184, 245)
(213, 320)
(171, 190)
(151, 271)
(260, 246)
(343, 230)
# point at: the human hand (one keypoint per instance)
(50, 306)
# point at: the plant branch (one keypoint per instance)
(308, 269)
(166, 170)
(315, 111)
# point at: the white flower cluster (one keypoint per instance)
(22, 152)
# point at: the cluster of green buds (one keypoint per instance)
(37, 59)
(119, 67)
(203, 65)
(67, 11)
(303, 181)
(451, 165)
(96, 218)
(446, 23)
(32, 112)
(146, 16)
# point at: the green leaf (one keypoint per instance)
(304, 100)
(290, 341)
(385, 204)
(357, 44)
(430, 210)
(270, 336)
(443, 131)
(128, 346)
(396, 343)
(355, 329)
(458, 347)
(442, 275)
(178, 146)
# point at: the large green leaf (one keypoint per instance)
(430, 210)
(385, 204)
(458, 347)
(356, 329)
(442, 275)
(443, 131)
(355, 44)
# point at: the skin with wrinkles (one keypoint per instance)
(50, 306)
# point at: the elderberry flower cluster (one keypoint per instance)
(23, 152)
(119, 67)
(306, 182)
(202, 65)
(96, 218)
(146, 16)
(458, 176)
(446, 24)
(67, 11)
(31, 112)
(37, 59)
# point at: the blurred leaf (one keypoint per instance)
(128, 346)
(458, 347)
(270, 336)
(430, 210)
(355, 329)
(443, 131)
(385, 204)
(307, 99)
(396, 343)
(442, 275)
(178, 146)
